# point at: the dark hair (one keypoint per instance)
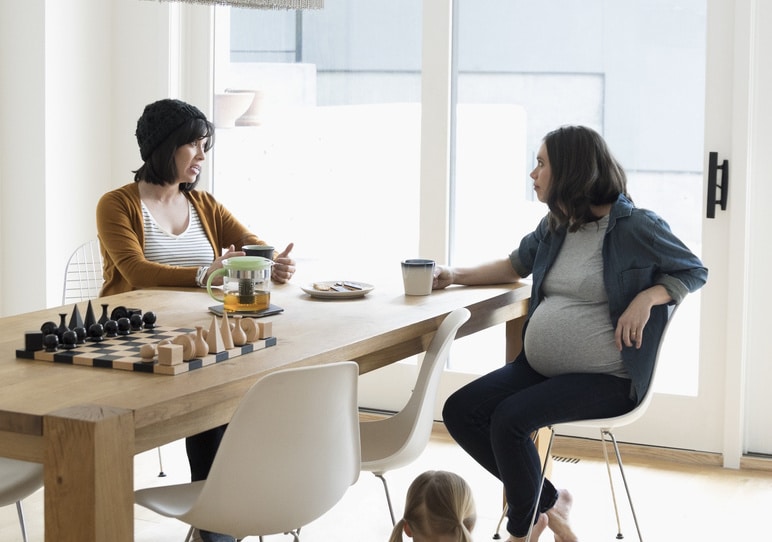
(160, 168)
(584, 173)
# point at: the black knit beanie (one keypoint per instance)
(159, 120)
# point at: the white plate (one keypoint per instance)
(332, 294)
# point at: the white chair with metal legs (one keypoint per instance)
(83, 273)
(398, 440)
(83, 281)
(19, 480)
(289, 454)
(606, 426)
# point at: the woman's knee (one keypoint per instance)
(451, 413)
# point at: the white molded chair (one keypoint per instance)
(399, 439)
(289, 454)
(606, 427)
(83, 274)
(19, 480)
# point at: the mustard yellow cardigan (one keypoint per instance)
(122, 238)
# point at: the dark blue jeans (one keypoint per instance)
(493, 417)
(201, 449)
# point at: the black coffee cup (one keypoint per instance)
(263, 251)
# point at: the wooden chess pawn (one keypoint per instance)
(147, 352)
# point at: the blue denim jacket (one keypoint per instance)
(639, 251)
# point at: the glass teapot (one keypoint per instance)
(246, 283)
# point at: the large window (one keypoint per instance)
(632, 70)
(333, 160)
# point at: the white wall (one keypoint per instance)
(22, 166)
(74, 77)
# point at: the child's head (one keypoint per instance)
(439, 506)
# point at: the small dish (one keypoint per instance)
(313, 291)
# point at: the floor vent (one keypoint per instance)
(565, 459)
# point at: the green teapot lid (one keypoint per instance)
(246, 263)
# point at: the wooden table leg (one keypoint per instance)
(89, 474)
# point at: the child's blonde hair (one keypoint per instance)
(438, 503)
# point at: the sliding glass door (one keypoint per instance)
(336, 160)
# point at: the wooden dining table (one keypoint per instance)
(85, 424)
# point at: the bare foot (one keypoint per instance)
(538, 529)
(558, 516)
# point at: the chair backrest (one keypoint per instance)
(18, 480)
(289, 454)
(643, 405)
(413, 424)
(83, 274)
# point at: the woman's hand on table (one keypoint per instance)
(217, 264)
(443, 277)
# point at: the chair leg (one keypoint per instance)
(504, 506)
(627, 488)
(20, 511)
(388, 497)
(496, 535)
(541, 485)
(161, 474)
(603, 441)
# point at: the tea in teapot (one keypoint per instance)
(246, 283)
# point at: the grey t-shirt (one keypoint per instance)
(570, 331)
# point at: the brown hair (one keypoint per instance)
(438, 503)
(584, 173)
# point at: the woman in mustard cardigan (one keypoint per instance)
(160, 231)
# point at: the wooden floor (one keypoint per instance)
(674, 502)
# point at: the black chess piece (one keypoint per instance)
(75, 320)
(62, 325)
(124, 326)
(119, 312)
(51, 342)
(95, 332)
(69, 339)
(104, 318)
(111, 328)
(136, 321)
(90, 318)
(149, 319)
(81, 334)
(48, 328)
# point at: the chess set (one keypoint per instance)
(126, 339)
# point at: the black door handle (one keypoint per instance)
(714, 185)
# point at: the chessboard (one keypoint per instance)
(122, 352)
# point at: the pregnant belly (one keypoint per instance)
(567, 336)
